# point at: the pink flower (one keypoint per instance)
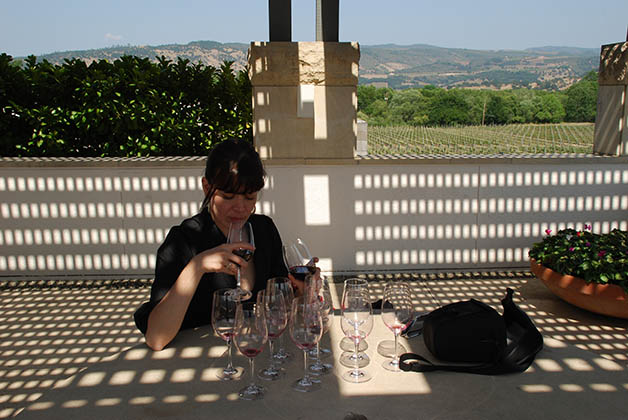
(587, 227)
(601, 253)
(548, 231)
(588, 244)
(571, 249)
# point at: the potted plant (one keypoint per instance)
(586, 269)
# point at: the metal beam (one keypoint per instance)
(280, 20)
(327, 17)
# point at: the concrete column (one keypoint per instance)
(304, 99)
(611, 134)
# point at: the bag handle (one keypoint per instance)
(417, 363)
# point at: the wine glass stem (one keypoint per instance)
(357, 350)
(305, 375)
(270, 349)
(252, 366)
(238, 278)
(396, 355)
(230, 355)
(318, 353)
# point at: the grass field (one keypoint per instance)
(482, 140)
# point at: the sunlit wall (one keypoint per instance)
(381, 215)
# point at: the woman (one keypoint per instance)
(194, 259)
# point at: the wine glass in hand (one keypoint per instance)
(241, 232)
(223, 320)
(306, 328)
(397, 313)
(356, 323)
(299, 264)
(274, 306)
(250, 335)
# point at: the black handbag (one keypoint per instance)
(477, 338)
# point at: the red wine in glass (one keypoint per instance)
(251, 352)
(300, 271)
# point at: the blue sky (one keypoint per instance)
(44, 26)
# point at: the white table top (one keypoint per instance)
(180, 383)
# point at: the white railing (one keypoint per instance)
(104, 218)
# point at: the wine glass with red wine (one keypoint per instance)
(284, 286)
(299, 265)
(306, 329)
(397, 313)
(241, 232)
(250, 336)
(223, 320)
(274, 306)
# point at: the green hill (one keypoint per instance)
(402, 66)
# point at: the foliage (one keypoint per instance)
(593, 257)
(581, 99)
(128, 107)
(435, 106)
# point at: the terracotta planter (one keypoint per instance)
(605, 299)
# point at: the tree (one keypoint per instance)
(500, 109)
(549, 109)
(409, 106)
(581, 99)
(449, 107)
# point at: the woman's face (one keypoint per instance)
(226, 208)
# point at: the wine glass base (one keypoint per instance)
(324, 353)
(230, 375)
(305, 385)
(391, 366)
(271, 374)
(346, 344)
(242, 294)
(282, 356)
(320, 368)
(347, 359)
(386, 348)
(357, 376)
(252, 392)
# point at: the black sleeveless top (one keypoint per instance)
(195, 235)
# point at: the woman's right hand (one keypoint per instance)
(221, 259)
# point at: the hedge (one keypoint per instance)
(128, 107)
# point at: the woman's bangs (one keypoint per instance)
(240, 183)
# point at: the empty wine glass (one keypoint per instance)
(283, 285)
(250, 335)
(274, 306)
(397, 313)
(306, 328)
(224, 306)
(356, 323)
(317, 290)
(346, 344)
(241, 232)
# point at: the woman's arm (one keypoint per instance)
(167, 316)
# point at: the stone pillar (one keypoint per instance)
(611, 134)
(304, 99)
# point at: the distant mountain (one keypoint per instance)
(401, 66)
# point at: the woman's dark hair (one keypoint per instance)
(235, 167)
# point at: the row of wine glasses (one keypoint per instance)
(357, 321)
(250, 325)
